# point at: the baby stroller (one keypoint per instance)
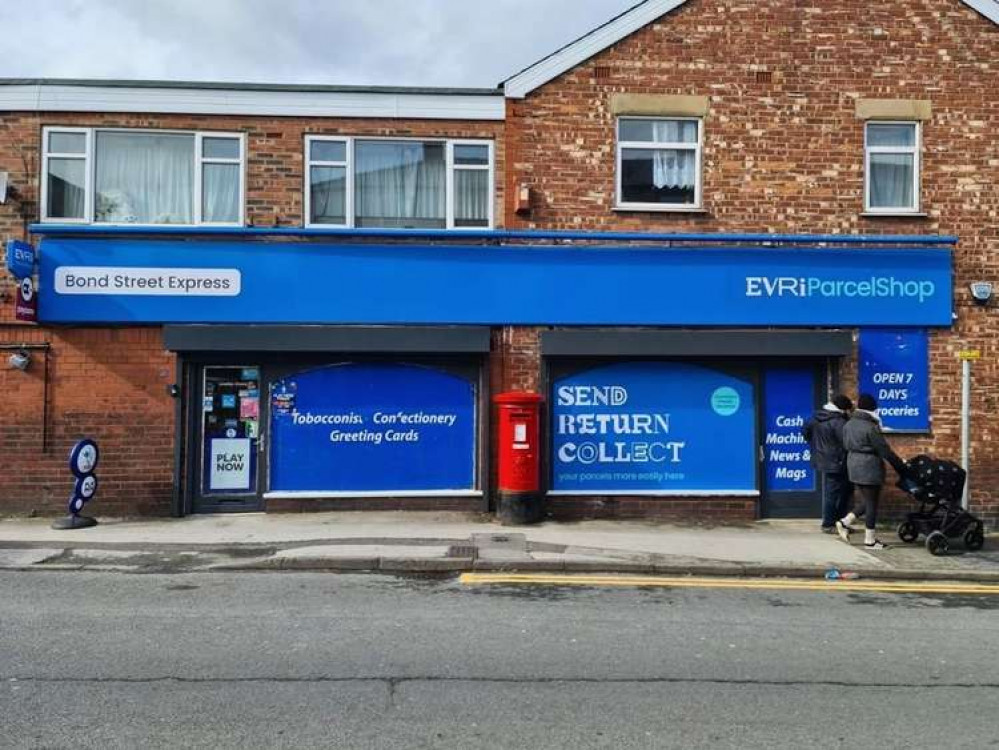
(938, 486)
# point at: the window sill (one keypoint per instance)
(894, 215)
(660, 209)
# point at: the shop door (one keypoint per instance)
(228, 439)
(791, 487)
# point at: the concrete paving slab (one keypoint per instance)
(22, 558)
(502, 555)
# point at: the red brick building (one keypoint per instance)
(710, 137)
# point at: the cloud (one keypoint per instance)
(376, 42)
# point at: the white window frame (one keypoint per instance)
(450, 168)
(91, 177)
(199, 185)
(87, 175)
(913, 150)
(347, 164)
(697, 148)
(449, 180)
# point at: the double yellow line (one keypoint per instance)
(779, 584)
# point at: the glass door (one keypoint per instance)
(229, 439)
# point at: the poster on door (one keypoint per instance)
(229, 466)
(790, 400)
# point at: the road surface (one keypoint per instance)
(299, 660)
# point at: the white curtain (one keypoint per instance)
(399, 184)
(220, 193)
(145, 178)
(674, 168)
(471, 197)
(891, 180)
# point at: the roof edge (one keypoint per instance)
(250, 99)
(238, 86)
(988, 8)
(586, 46)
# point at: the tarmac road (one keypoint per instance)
(300, 660)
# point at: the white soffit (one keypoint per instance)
(602, 37)
(56, 97)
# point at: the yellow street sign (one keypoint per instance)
(969, 354)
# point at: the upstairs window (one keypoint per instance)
(891, 167)
(658, 163)
(142, 177)
(397, 183)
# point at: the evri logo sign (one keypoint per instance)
(888, 287)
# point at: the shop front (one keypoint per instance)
(689, 414)
(316, 416)
(354, 369)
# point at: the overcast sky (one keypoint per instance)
(367, 42)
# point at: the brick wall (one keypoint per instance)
(783, 152)
(111, 383)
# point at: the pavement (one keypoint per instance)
(437, 542)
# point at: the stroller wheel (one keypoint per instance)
(974, 538)
(937, 544)
(908, 532)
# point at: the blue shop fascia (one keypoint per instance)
(320, 365)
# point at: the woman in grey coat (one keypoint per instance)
(867, 450)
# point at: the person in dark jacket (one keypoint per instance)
(866, 453)
(824, 433)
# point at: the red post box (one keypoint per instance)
(519, 458)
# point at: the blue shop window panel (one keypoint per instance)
(895, 369)
(789, 395)
(665, 427)
(372, 427)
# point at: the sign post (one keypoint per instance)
(966, 356)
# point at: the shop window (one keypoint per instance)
(653, 428)
(658, 163)
(375, 427)
(391, 183)
(891, 167)
(142, 177)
